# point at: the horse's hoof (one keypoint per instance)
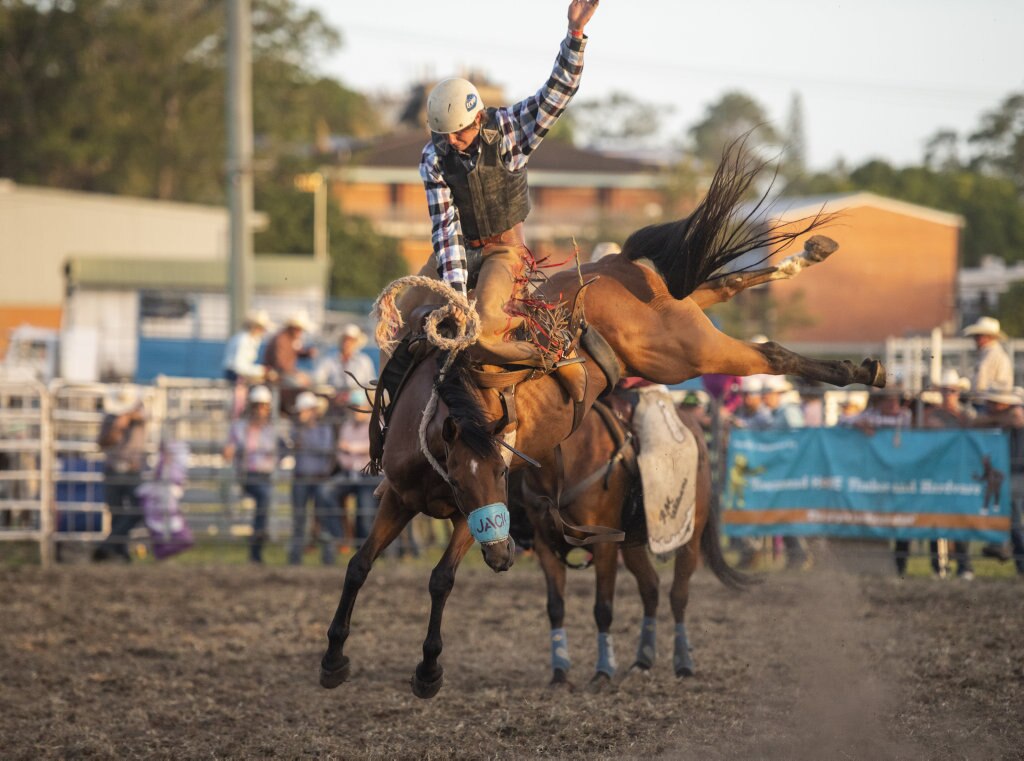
(331, 678)
(642, 664)
(426, 690)
(599, 682)
(876, 371)
(684, 671)
(560, 681)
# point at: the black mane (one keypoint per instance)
(459, 393)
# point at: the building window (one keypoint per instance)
(393, 195)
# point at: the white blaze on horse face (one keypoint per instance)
(474, 466)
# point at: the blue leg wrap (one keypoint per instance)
(645, 651)
(605, 654)
(560, 651)
(681, 657)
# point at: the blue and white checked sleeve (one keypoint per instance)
(446, 232)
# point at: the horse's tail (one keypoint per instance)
(690, 251)
(711, 549)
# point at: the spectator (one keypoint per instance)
(950, 413)
(886, 409)
(751, 413)
(353, 454)
(784, 415)
(123, 441)
(312, 443)
(241, 363)
(241, 355)
(334, 371)
(284, 350)
(254, 447)
(1006, 410)
(994, 371)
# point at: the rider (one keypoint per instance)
(474, 173)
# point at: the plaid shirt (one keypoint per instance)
(523, 126)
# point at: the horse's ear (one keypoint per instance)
(449, 430)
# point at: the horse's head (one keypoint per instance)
(478, 476)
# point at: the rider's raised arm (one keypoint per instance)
(446, 233)
(529, 121)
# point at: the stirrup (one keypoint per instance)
(567, 362)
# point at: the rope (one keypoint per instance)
(467, 329)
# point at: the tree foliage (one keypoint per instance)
(730, 117)
(127, 96)
(1010, 312)
(614, 120)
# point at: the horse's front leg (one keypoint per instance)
(391, 518)
(554, 575)
(429, 675)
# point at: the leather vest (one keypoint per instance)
(489, 197)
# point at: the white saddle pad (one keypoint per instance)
(668, 470)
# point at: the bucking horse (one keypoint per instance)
(454, 431)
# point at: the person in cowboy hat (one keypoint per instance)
(285, 349)
(994, 370)
(312, 444)
(335, 371)
(474, 174)
(241, 355)
(123, 441)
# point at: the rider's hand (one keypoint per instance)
(580, 12)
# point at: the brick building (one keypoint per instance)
(895, 273)
(574, 193)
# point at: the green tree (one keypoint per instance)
(999, 141)
(1011, 310)
(362, 262)
(616, 119)
(794, 157)
(732, 116)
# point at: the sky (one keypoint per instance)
(877, 78)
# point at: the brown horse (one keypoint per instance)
(604, 489)
(640, 303)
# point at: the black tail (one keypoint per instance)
(711, 549)
(689, 251)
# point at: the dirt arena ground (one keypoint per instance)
(176, 662)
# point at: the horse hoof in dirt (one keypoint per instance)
(331, 678)
(423, 689)
(560, 681)
(684, 671)
(599, 682)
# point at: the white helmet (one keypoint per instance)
(453, 105)
(259, 395)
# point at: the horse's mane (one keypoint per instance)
(459, 393)
(690, 251)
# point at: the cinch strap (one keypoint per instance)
(489, 523)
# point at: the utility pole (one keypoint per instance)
(239, 163)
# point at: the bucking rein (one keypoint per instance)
(462, 312)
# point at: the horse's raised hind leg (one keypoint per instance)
(638, 562)
(870, 372)
(391, 518)
(429, 675)
(606, 561)
(554, 576)
(686, 563)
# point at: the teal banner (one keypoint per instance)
(894, 484)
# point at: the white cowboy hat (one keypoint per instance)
(259, 318)
(300, 320)
(952, 379)
(307, 400)
(1003, 397)
(985, 326)
(604, 249)
(354, 331)
(777, 384)
(760, 338)
(260, 395)
(121, 401)
(751, 384)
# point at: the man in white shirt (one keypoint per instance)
(334, 371)
(241, 355)
(994, 371)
